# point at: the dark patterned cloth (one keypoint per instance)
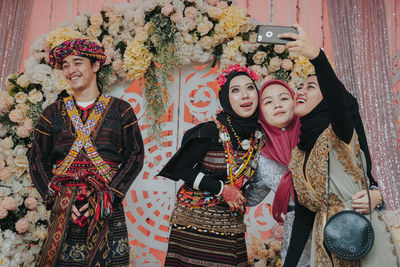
(193, 248)
(118, 140)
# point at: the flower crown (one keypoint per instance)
(221, 80)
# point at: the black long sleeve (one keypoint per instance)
(186, 165)
(333, 92)
(302, 226)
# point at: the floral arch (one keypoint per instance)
(143, 42)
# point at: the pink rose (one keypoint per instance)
(6, 101)
(9, 203)
(23, 131)
(279, 49)
(214, 12)
(117, 65)
(287, 64)
(222, 4)
(22, 225)
(2, 164)
(277, 232)
(31, 203)
(167, 9)
(177, 17)
(16, 116)
(3, 213)
(191, 12)
(5, 174)
(212, 2)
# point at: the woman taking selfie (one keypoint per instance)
(215, 161)
(281, 132)
(328, 167)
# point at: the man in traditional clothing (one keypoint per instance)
(87, 151)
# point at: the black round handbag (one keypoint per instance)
(348, 234)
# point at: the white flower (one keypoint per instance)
(32, 216)
(178, 5)
(149, 5)
(23, 80)
(3, 130)
(40, 73)
(206, 42)
(274, 64)
(35, 96)
(96, 20)
(6, 101)
(139, 16)
(81, 22)
(39, 233)
(4, 192)
(20, 150)
(259, 57)
(39, 45)
(184, 24)
(6, 143)
(29, 64)
(199, 55)
(204, 26)
(21, 97)
(93, 31)
(248, 47)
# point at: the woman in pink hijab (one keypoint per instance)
(282, 129)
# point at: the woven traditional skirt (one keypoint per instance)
(206, 237)
(74, 249)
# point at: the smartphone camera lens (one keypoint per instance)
(269, 34)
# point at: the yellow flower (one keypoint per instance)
(62, 34)
(233, 19)
(302, 67)
(137, 60)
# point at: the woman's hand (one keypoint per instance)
(302, 43)
(360, 201)
(233, 197)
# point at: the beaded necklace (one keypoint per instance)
(240, 169)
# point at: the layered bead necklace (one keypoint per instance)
(240, 168)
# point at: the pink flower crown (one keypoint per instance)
(221, 80)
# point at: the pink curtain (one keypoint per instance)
(14, 17)
(361, 51)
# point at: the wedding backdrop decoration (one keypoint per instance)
(146, 42)
(142, 41)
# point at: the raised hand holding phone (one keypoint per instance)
(301, 43)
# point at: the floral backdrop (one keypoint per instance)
(144, 41)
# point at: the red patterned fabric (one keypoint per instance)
(77, 47)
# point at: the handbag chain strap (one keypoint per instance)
(327, 197)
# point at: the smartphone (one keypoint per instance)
(269, 34)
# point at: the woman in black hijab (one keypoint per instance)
(216, 160)
(329, 149)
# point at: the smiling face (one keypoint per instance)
(79, 72)
(243, 96)
(277, 105)
(308, 97)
